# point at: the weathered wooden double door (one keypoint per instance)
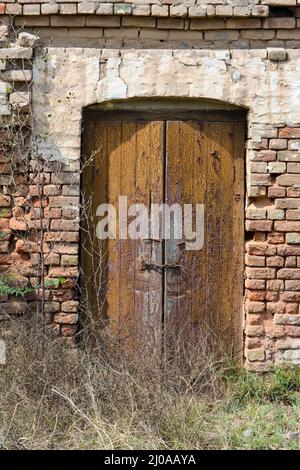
(158, 284)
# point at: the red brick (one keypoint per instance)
(5, 260)
(52, 213)
(63, 201)
(291, 308)
(293, 192)
(289, 133)
(288, 179)
(259, 225)
(63, 295)
(264, 156)
(62, 237)
(68, 330)
(275, 285)
(66, 318)
(287, 250)
(261, 179)
(4, 223)
(291, 296)
(64, 225)
(5, 201)
(52, 190)
(255, 284)
(275, 238)
(256, 248)
(287, 226)
(255, 307)
(291, 262)
(275, 191)
(257, 295)
(255, 260)
(293, 331)
(275, 261)
(71, 306)
(272, 296)
(278, 144)
(64, 272)
(275, 307)
(288, 273)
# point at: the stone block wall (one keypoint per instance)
(242, 53)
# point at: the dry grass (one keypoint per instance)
(102, 397)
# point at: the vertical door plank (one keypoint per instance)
(127, 248)
(199, 260)
(113, 185)
(224, 148)
(149, 190)
(179, 189)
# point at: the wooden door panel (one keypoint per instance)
(128, 161)
(204, 161)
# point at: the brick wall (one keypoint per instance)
(273, 253)
(116, 30)
(240, 52)
(155, 8)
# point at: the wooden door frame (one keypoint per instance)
(165, 114)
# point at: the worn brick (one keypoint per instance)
(70, 307)
(264, 156)
(256, 214)
(254, 330)
(293, 238)
(66, 318)
(255, 284)
(293, 214)
(287, 203)
(278, 144)
(291, 262)
(259, 225)
(289, 133)
(259, 167)
(160, 10)
(275, 285)
(276, 167)
(275, 237)
(288, 273)
(251, 260)
(262, 273)
(256, 354)
(288, 179)
(276, 191)
(288, 156)
(292, 285)
(63, 272)
(276, 214)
